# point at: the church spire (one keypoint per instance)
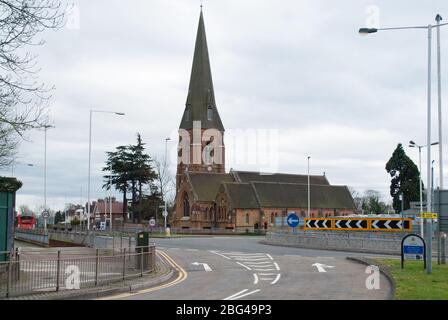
(201, 105)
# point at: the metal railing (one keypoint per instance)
(34, 274)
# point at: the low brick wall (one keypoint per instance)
(353, 242)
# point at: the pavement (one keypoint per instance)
(240, 268)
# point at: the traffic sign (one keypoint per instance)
(359, 224)
(413, 247)
(45, 214)
(292, 220)
(429, 215)
(165, 214)
(152, 222)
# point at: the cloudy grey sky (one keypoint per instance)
(296, 68)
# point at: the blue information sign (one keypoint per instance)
(293, 220)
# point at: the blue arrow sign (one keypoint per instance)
(292, 220)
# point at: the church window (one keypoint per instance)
(247, 218)
(186, 206)
(210, 113)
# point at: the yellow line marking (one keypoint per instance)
(182, 276)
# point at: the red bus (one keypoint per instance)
(26, 222)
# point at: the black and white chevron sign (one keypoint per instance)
(385, 224)
(350, 224)
(318, 224)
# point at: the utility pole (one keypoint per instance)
(309, 191)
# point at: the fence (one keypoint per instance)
(20, 276)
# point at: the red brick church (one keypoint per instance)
(208, 197)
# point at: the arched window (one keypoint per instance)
(210, 113)
(272, 217)
(186, 206)
(247, 218)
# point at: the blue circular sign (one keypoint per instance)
(292, 220)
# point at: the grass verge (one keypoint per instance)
(412, 282)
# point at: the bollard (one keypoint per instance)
(443, 248)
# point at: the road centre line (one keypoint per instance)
(214, 252)
(244, 266)
(236, 294)
(246, 294)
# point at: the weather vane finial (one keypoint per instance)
(201, 5)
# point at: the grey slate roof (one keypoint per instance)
(201, 94)
(248, 176)
(291, 195)
(241, 195)
(206, 185)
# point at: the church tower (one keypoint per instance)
(201, 132)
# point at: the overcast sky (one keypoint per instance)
(297, 69)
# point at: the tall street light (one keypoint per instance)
(412, 144)
(439, 94)
(165, 212)
(366, 31)
(90, 157)
(46, 127)
(309, 193)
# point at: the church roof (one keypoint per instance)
(201, 94)
(206, 185)
(241, 195)
(292, 195)
(248, 176)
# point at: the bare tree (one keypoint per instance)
(164, 180)
(23, 98)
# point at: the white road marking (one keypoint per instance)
(244, 266)
(206, 266)
(276, 266)
(266, 279)
(214, 252)
(251, 259)
(264, 265)
(258, 262)
(246, 294)
(255, 278)
(264, 269)
(242, 254)
(276, 279)
(267, 274)
(236, 294)
(321, 267)
(269, 256)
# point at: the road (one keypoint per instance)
(242, 268)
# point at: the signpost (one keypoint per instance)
(413, 247)
(45, 215)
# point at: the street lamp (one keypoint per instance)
(309, 193)
(165, 213)
(46, 127)
(366, 31)
(412, 144)
(90, 157)
(14, 163)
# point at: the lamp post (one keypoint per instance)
(412, 144)
(439, 95)
(366, 31)
(309, 193)
(90, 158)
(165, 212)
(14, 163)
(46, 127)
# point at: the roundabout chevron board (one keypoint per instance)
(359, 224)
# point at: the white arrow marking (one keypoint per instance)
(321, 267)
(206, 266)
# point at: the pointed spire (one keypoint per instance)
(201, 105)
